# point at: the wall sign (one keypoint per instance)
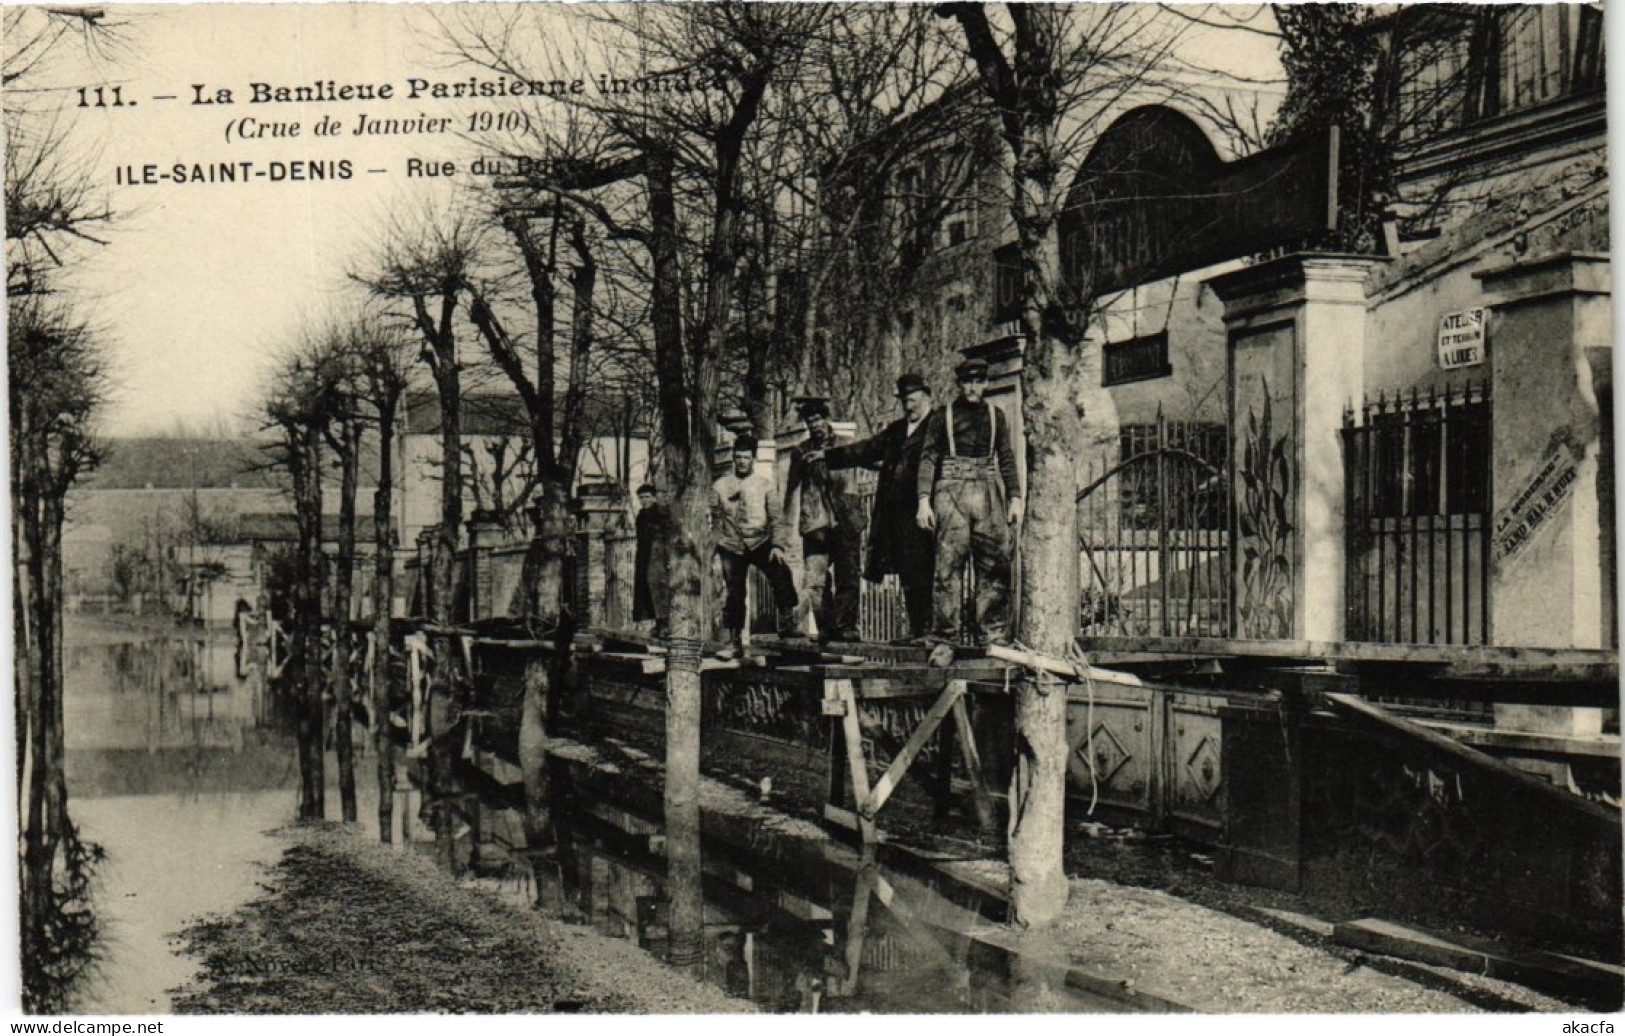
(1461, 339)
(1551, 485)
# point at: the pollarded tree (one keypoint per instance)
(301, 400)
(1051, 71)
(56, 383)
(384, 355)
(428, 265)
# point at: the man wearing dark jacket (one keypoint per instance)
(649, 594)
(896, 541)
(828, 509)
(970, 493)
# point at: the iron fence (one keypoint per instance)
(1417, 472)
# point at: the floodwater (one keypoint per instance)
(180, 761)
(794, 920)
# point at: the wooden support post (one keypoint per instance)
(857, 927)
(986, 817)
(841, 690)
(899, 766)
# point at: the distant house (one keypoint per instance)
(169, 525)
(498, 463)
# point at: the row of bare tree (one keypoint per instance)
(746, 236)
(57, 380)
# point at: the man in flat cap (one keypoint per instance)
(650, 599)
(897, 543)
(745, 515)
(970, 494)
(828, 508)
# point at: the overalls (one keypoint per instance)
(969, 504)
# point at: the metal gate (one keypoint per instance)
(1154, 532)
(1418, 533)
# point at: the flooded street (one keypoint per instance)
(179, 764)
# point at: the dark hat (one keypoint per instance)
(812, 406)
(647, 488)
(911, 382)
(745, 443)
(971, 370)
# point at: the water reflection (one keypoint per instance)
(793, 924)
(171, 712)
(179, 760)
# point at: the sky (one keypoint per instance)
(200, 285)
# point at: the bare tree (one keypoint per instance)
(1050, 72)
(384, 356)
(430, 265)
(56, 383)
(300, 404)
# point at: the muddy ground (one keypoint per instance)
(346, 926)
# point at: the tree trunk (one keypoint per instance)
(445, 683)
(1026, 91)
(383, 597)
(344, 571)
(687, 474)
(307, 641)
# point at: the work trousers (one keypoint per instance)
(734, 569)
(971, 522)
(836, 608)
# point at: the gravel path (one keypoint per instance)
(347, 926)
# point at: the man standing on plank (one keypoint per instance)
(970, 494)
(650, 597)
(827, 506)
(897, 543)
(745, 514)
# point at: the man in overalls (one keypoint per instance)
(970, 494)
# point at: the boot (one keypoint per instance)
(730, 646)
(789, 624)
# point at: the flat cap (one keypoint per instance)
(971, 370)
(812, 406)
(911, 382)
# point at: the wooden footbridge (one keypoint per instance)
(1307, 767)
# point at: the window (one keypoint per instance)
(1007, 284)
(1138, 359)
(1476, 63)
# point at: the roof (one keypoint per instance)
(281, 527)
(183, 464)
(207, 464)
(503, 413)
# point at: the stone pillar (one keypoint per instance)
(426, 538)
(1548, 318)
(484, 532)
(1295, 329)
(1550, 335)
(601, 508)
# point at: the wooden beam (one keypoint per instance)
(1061, 666)
(1380, 716)
(1560, 663)
(853, 734)
(926, 677)
(1598, 746)
(916, 742)
(986, 816)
